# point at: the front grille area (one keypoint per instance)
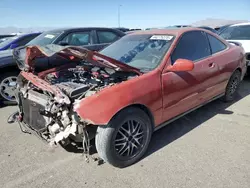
(31, 108)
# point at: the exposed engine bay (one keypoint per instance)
(79, 82)
(55, 122)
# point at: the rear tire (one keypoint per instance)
(7, 84)
(232, 86)
(125, 139)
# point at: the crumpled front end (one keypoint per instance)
(49, 117)
(47, 99)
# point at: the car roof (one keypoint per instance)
(241, 24)
(27, 34)
(78, 28)
(174, 31)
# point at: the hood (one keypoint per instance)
(5, 53)
(25, 57)
(245, 44)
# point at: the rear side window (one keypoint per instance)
(107, 36)
(216, 44)
(193, 46)
(78, 38)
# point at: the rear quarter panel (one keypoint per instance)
(98, 109)
(228, 61)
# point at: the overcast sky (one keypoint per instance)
(134, 13)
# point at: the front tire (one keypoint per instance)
(125, 139)
(232, 86)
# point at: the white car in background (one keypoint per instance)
(239, 33)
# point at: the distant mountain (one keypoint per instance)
(9, 30)
(211, 22)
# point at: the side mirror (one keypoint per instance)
(181, 65)
(12, 46)
(63, 43)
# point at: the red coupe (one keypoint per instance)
(122, 94)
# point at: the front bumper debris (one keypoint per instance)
(16, 117)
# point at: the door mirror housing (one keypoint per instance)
(181, 65)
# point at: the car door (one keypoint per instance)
(216, 84)
(182, 91)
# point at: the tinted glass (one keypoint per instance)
(144, 52)
(192, 46)
(26, 39)
(236, 33)
(77, 39)
(106, 36)
(216, 44)
(45, 38)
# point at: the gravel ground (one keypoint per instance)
(207, 148)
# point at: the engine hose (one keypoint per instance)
(82, 95)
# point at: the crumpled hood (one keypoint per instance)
(69, 52)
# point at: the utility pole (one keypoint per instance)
(119, 15)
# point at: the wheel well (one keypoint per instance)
(239, 69)
(9, 68)
(143, 108)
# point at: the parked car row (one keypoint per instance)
(181, 26)
(123, 29)
(90, 38)
(69, 95)
(239, 33)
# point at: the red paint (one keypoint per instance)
(145, 90)
(164, 91)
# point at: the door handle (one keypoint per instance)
(211, 65)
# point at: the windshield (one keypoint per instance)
(241, 32)
(144, 51)
(45, 38)
(7, 41)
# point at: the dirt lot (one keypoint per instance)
(207, 148)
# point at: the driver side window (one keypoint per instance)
(193, 46)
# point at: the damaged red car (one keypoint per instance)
(122, 94)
